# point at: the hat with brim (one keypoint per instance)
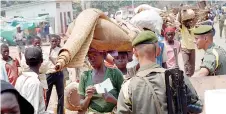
(145, 37)
(202, 29)
(25, 106)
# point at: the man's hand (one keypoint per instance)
(202, 72)
(52, 60)
(108, 97)
(90, 90)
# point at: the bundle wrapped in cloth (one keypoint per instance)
(148, 19)
(92, 28)
(144, 7)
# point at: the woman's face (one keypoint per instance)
(96, 59)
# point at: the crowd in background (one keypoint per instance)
(33, 86)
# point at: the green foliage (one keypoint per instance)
(112, 6)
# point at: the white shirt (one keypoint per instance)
(54, 54)
(19, 36)
(43, 68)
(3, 73)
(29, 86)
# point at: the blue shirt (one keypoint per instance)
(159, 58)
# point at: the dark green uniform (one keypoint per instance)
(215, 56)
(215, 60)
(136, 96)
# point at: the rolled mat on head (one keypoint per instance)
(92, 28)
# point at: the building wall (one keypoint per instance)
(65, 7)
(32, 10)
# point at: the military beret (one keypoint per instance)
(202, 29)
(145, 37)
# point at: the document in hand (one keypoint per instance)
(106, 84)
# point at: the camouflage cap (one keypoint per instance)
(202, 29)
(145, 37)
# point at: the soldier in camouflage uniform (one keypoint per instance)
(214, 60)
(145, 93)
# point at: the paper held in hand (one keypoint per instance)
(106, 84)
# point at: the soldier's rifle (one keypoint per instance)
(176, 91)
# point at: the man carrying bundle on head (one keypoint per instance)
(186, 19)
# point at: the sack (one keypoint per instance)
(149, 19)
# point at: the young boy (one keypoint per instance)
(28, 84)
(9, 65)
(36, 42)
(55, 77)
(121, 60)
(170, 44)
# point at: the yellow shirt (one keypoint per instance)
(187, 39)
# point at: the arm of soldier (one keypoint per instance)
(192, 95)
(124, 105)
(208, 66)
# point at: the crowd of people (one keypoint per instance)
(137, 76)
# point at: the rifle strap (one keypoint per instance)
(157, 103)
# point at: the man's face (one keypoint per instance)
(189, 23)
(169, 36)
(9, 104)
(130, 56)
(58, 41)
(36, 42)
(5, 53)
(53, 42)
(18, 29)
(200, 41)
(121, 60)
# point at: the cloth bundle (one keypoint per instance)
(144, 7)
(92, 28)
(148, 19)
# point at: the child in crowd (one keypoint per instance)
(132, 67)
(9, 66)
(170, 44)
(28, 84)
(120, 61)
(55, 77)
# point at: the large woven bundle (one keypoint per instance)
(92, 28)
